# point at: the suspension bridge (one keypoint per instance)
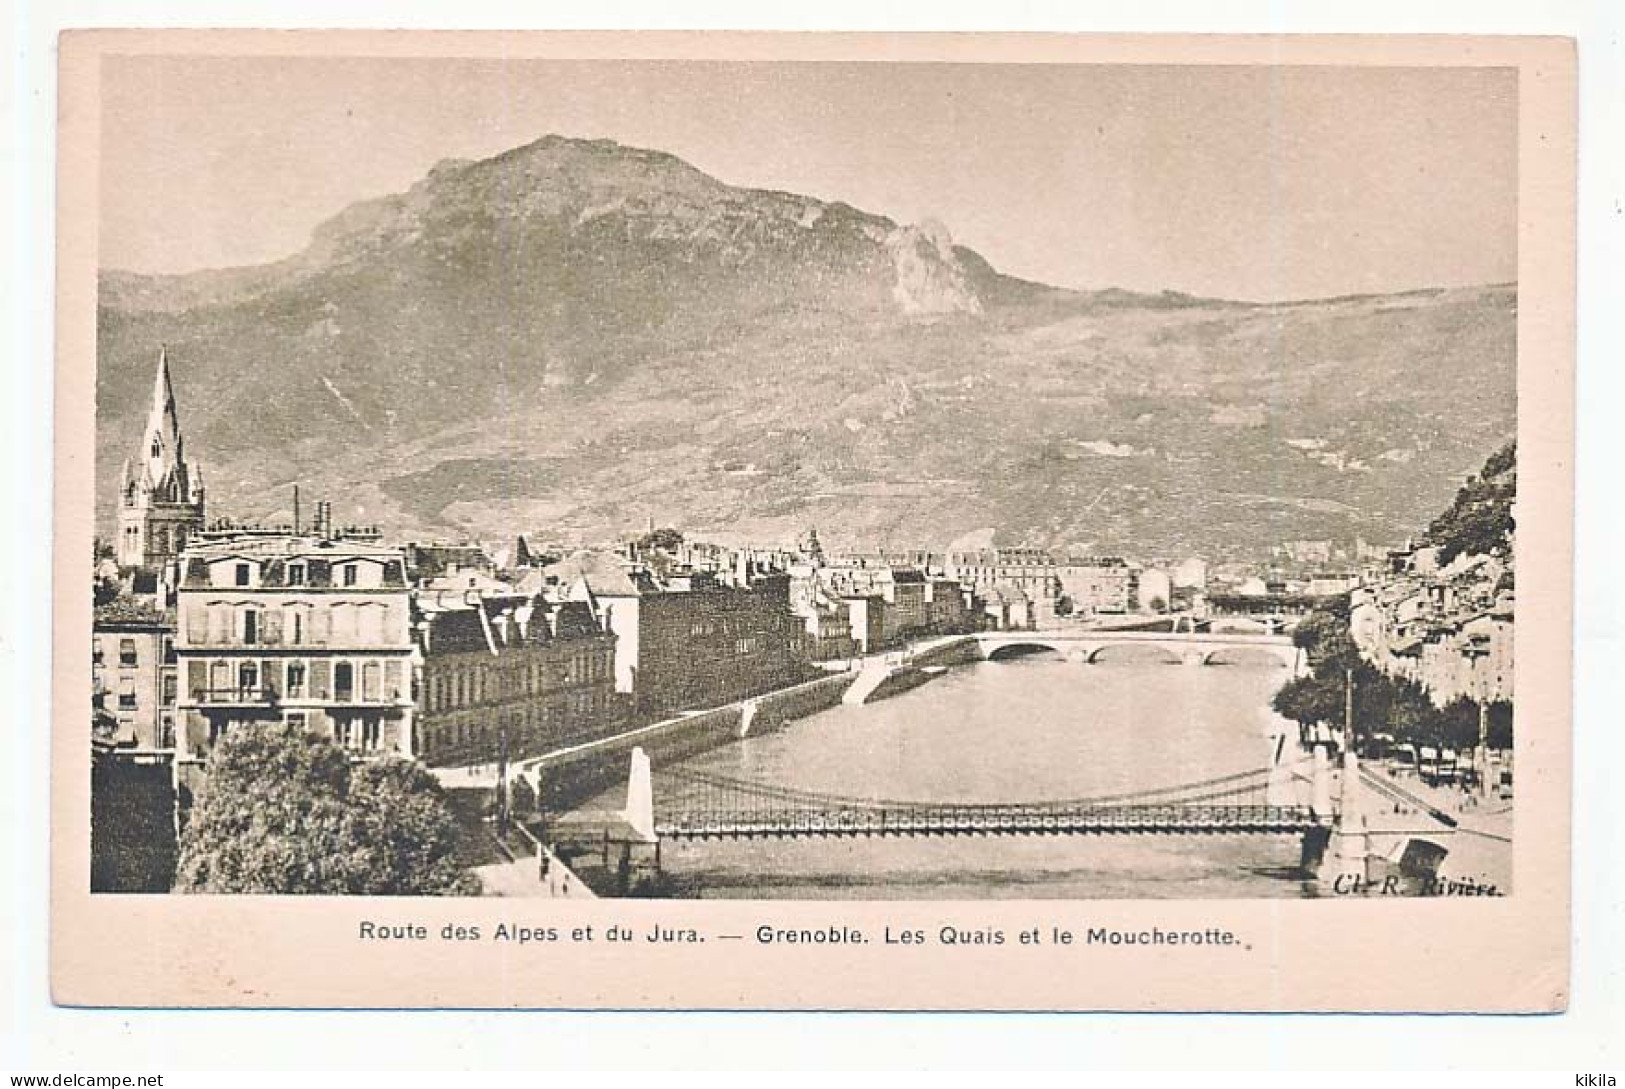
(701, 805)
(1287, 797)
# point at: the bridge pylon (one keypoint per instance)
(1347, 859)
(639, 813)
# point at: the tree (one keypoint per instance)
(1158, 604)
(1457, 724)
(1309, 701)
(1479, 520)
(1324, 638)
(398, 810)
(284, 812)
(666, 539)
(1500, 725)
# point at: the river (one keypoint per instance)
(1029, 729)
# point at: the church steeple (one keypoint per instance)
(162, 496)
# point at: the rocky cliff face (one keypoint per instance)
(575, 336)
(930, 277)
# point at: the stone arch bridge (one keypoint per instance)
(1194, 648)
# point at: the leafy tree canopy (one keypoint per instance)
(1479, 520)
(665, 539)
(284, 811)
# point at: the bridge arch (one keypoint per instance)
(1133, 652)
(1005, 652)
(1221, 625)
(1272, 657)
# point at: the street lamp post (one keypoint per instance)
(1481, 757)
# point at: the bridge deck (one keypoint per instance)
(991, 820)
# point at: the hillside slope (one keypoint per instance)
(575, 336)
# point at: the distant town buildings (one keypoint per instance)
(1100, 586)
(465, 654)
(687, 638)
(1031, 573)
(1449, 629)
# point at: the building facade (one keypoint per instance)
(511, 676)
(687, 639)
(133, 679)
(1029, 575)
(1099, 586)
(308, 631)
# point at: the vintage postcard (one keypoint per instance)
(813, 521)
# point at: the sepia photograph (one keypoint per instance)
(817, 521)
(804, 481)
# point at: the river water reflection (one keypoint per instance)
(1031, 729)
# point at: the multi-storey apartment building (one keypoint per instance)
(1099, 585)
(1032, 572)
(311, 631)
(133, 683)
(512, 675)
(688, 640)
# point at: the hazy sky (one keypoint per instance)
(1235, 182)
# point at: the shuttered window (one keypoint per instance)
(392, 680)
(197, 677)
(321, 679)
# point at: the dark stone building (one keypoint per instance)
(513, 675)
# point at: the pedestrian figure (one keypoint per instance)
(567, 884)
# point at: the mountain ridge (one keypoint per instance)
(573, 336)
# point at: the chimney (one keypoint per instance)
(296, 509)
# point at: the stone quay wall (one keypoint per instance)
(568, 777)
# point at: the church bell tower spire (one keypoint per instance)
(161, 497)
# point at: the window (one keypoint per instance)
(343, 682)
(296, 679)
(126, 652)
(349, 574)
(157, 447)
(251, 626)
(320, 679)
(294, 625)
(248, 677)
(242, 574)
(392, 681)
(296, 574)
(126, 695)
(370, 674)
(169, 689)
(197, 678)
